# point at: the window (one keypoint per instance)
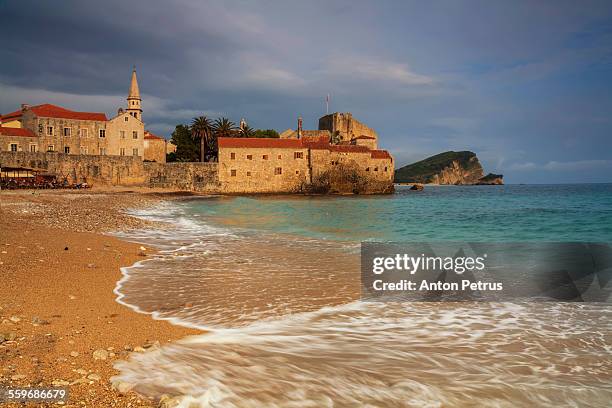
(33, 148)
(298, 155)
(13, 147)
(249, 157)
(103, 151)
(233, 173)
(102, 133)
(232, 156)
(248, 174)
(40, 128)
(134, 152)
(134, 135)
(280, 157)
(385, 169)
(265, 157)
(278, 171)
(67, 131)
(50, 130)
(122, 134)
(50, 148)
(67, 149)
(84, 132)
(367, 169)
(375, 168)
(126, 118)
(122, 151)
(297, 172)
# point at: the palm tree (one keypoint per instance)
(223, 127)
(247, 131)
(201, 129)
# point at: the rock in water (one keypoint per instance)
(168, 402)
(416, 187)
(444, 168)
(491, 179)
(122, 387)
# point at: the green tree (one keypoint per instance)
(247, 131)
(270, 133)
(201, 130)
(186, 147)
(223, 127)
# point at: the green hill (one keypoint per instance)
(444, 168)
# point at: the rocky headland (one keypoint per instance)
(456, 168)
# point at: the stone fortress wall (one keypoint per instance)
(117, 170)
(347, 127)
(92, 169)
(186, 176)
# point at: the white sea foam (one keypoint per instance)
(273, 342)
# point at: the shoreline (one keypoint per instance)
(60, 322)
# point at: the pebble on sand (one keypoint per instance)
(122, 387)
(100, 354)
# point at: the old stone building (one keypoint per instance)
(52, 128)
(346, 127)
(155, 148)
(14, 139)
(310, 163)
(339, 128)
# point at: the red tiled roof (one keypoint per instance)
(53, 111)
(258, 143)
(12, 115)
(321, 143)
(150, 136)
(20, 132)
(380, 154)
(48, 110)
(316, 142)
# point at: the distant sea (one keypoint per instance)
(275, 282)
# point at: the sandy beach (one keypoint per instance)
(60, 324)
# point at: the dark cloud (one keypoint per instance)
(523, 84)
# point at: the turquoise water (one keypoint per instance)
(579, 212)
(275, 282)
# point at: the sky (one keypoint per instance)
(526, 85)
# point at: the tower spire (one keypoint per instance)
(133, 100)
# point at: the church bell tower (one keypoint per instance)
(134, 107)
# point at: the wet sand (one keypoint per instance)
(57, 306)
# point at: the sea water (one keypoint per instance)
(274, 282)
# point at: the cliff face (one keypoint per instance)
(444, 168)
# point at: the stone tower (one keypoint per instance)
(134, 107)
